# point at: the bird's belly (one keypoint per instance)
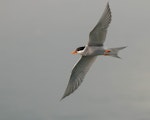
(94, 51)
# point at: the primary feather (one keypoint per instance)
(98, 35)
(78, 73)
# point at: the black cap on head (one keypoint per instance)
(80, 48)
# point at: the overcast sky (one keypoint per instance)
(36, 38)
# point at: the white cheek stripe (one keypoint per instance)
(81, 51)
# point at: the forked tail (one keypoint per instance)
(114, 51)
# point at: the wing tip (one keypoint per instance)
(108, 3)
(108, 6)
(65, 95)
(62, 98)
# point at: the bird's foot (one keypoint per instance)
(106, 52)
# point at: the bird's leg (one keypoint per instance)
(106, 52)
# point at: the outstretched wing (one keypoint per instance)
(78, 73)
(98, 34)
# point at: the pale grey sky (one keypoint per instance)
(36, 38)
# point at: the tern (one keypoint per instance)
(90, 52)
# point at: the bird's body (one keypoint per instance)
(100, 50)
(90, 52)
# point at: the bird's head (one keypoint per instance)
(79, 50)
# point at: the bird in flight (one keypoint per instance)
(90, 52)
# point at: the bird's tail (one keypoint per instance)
(114, 51)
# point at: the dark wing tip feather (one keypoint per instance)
(78, 73)
(98, 34)
(107, 17)
(72, 86)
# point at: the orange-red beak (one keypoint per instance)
(74, 52)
